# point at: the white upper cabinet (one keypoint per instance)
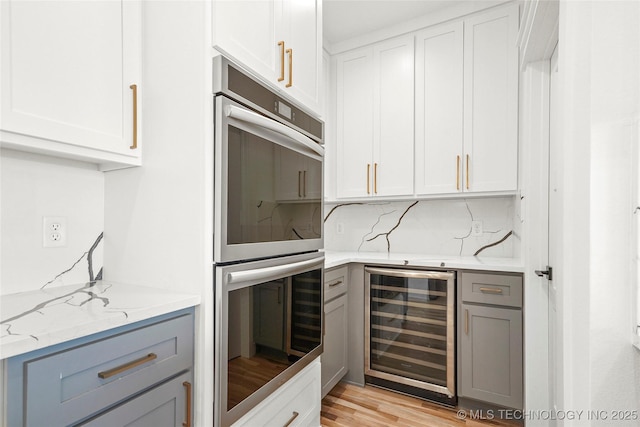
(70, 77)
(461, 133)
(375, 95)
(467, 105)
(491, 101)
(280, 40)
(439, 110)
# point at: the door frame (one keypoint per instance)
(537, 39)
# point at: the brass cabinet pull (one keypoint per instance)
(458, 173)
(122, 368)
(135, 116)
(187, 385)
(375, 178)
(281, 45)
(466, 322)
(299, 186)
(491, 290)
(304, 183)
(467, 172)
(368, 172)
(295, 415)
(290, 53)
(335, 283)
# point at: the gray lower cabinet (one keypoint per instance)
(163, 406)
(335, 353)
(490, 339)
(127, 373)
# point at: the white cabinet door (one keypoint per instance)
(245, 30)
(354, 123)
(279, 40)
(375, 96)
(491, 101)
(67, 68)
(301, 31)
(439, 119)
(393, 99)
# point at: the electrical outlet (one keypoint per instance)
(340, 228)
(54, 231)
(476, 228)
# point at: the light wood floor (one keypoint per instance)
(350, 406)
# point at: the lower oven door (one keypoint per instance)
(269, 324)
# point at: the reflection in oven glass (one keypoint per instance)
(271, 326)
(260, 205)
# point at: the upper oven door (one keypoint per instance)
(268, 186)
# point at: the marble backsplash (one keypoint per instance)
(442, 227)
(32, 187)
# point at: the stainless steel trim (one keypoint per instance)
(260, 274)
(417, 274)
(258, 120)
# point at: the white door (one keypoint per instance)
(555, 241)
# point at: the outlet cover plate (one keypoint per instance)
(54, 232)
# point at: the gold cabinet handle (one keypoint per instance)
(295, 415)
(281, 46)
(466, 322)
(187, 422)
(368, 172)
(467, 172)
(304, 183)
(375, 178)
(336, 283)
(299, 186)
(290, 53)
(458, 173)
(491, 290)
(134, 88)
(122, 368)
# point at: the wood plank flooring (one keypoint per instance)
(349, 405)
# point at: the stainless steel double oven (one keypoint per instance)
(268, 236)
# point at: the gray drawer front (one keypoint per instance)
(335, 282)
(65, 387)
(488, 288)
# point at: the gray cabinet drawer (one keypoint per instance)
(335, 282)
(167, 405)
(492, 288)
(67, 386)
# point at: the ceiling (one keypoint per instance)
(345, 19)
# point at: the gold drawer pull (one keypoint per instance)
(187, 386)
(290, 53)
(368, 173)
(295, 415)
(375, 178)
(467, 173)
(335, 283)
(281, 45)
(134, 88)
(122, 368)
(466, 322)
(491, 290)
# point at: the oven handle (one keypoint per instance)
(258, 120)
(260, 274)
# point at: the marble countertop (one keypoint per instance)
(513, 265)
(37, 319)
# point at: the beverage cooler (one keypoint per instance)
(410, 332)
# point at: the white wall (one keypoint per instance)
(599, 59)
(441, 227)
(34, 186)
